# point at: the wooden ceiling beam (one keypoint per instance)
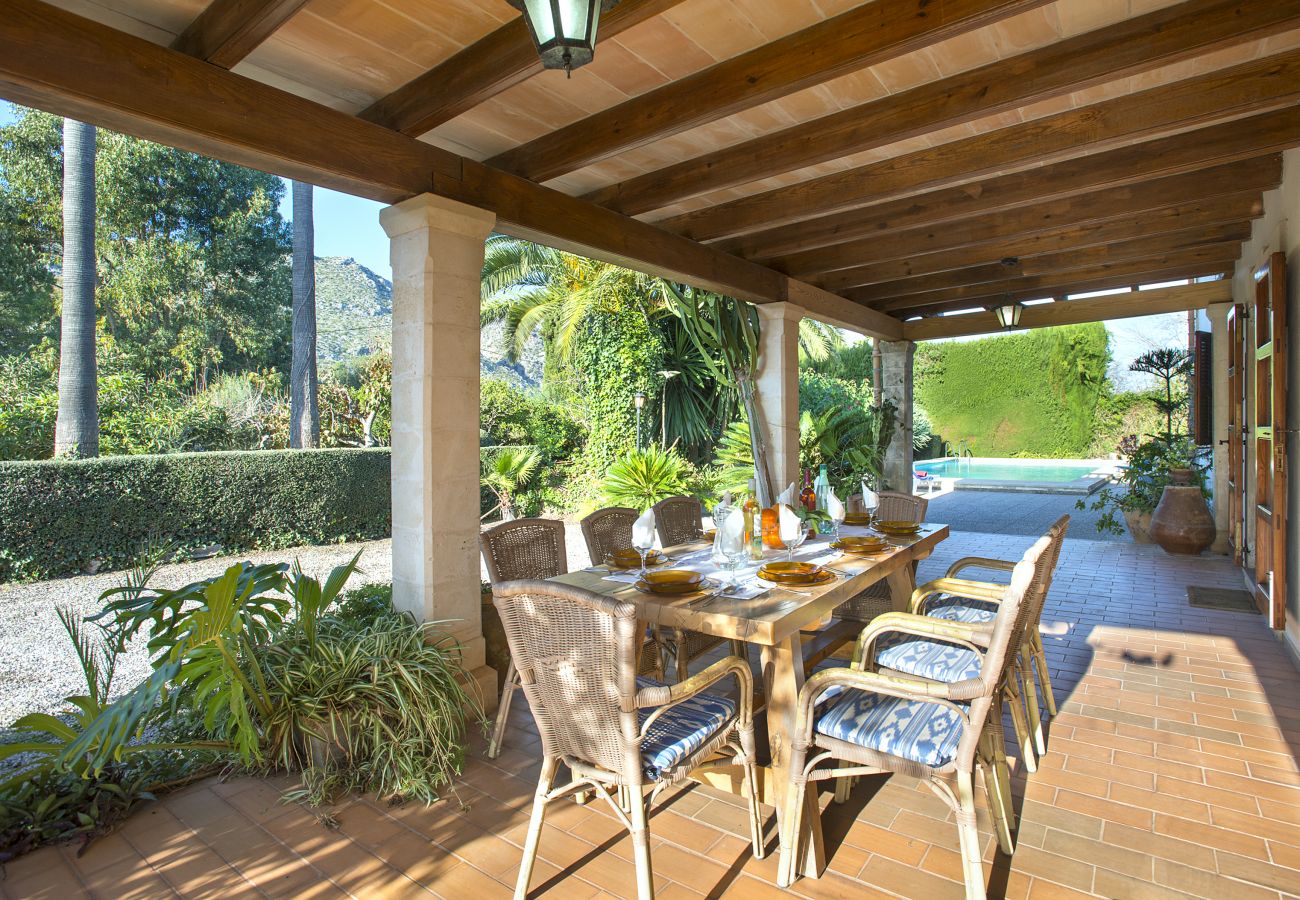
(1124, 273)
(890, 296)
(1077, 312)
(229, 30)
(864, 36)
(490, 65)
(54, 60)
(1158, 197)
(1106, 54)
(1028, 251)
(1190, 152)
(1256, 86)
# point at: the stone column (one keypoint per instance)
(777, 389)
(896, 387)
(437, 257)
(1220, 357)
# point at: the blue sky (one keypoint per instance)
(346, 226)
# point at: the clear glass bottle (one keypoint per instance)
(822, 489)
(753, 522)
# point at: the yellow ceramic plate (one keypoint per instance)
(790, 572)
(861, 545)
(671, 581)
(825, 576)
(898, 528)
(857, 519)
(709, 535)
(628, 558)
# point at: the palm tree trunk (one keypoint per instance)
(76, 427)
(304, 412)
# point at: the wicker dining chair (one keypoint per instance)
(605, 531)
(576, 654)
(868, 722)
(963, 600)
(680, 520)
(513, 551)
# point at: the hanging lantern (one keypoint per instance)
(1008, 314)
(564, 31)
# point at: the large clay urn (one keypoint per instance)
(1182, 522)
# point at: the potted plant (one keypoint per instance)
(1153, 464)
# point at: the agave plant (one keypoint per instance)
(644, 477)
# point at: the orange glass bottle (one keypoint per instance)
(808, 496)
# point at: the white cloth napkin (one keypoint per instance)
(790, 524)
(643, 530)
(787, 496)
(870, 499)
(835, 508)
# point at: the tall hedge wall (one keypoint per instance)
(1029, 394)
(61, 517)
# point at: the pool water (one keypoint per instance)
(1010, 470)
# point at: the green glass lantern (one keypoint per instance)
(564, 31)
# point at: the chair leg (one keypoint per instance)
(755, 815)
(1031, 703)
(791, 822)
(1011, 692)
(843, 787)
(1044, 679)
(544, 785)
(645, 888)
(997, 783)
(503, 711)
(683, 664)
(972, 859)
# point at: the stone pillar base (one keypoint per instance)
(481, 683)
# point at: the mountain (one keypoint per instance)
(354, 310)
(354, 317)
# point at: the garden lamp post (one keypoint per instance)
(563, 31)
(668, 375)
(638, 399)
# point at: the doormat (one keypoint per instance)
(1221, 598)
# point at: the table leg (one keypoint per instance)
(782, 678)
(901, 584)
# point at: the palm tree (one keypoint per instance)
(76, 428)
(505, 471)
(304, 411)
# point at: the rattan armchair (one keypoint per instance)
(516, 550)
(576, 656)
(964, 600)
(869, 722)
(680, 520)
(894, 506)
(605, 531)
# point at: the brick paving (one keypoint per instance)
(1171, 772)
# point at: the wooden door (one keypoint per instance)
(1269, 435)
(1236, 438)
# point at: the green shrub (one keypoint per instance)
(60, 517)
(644, 477)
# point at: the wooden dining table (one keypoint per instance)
(776, 621)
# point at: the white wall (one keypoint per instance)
(1279, 229)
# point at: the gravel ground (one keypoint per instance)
(41, 669)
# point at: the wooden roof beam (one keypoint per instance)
(229, 30)
(1105, 54)
(1190, 152)
(490, 65)
(1259, 85)
(864, 36)
(1032, 252)
(54, 60)
(1208, 260)
(1077, 312)
(1160, 197)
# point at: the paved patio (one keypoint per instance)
(1172, 772)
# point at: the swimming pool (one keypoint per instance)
(1067, 476)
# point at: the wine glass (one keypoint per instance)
(837, 519)
(795, 543)
(642, 544)
(870, 499)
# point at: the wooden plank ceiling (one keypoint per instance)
(881, 161)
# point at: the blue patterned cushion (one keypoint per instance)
(682, 730)
(926, 733)
(962, 609)
(924, 658)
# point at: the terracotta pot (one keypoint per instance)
(1182, 522)
(1139, 526)
(1181, 477)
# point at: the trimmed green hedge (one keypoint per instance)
(62, 517)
